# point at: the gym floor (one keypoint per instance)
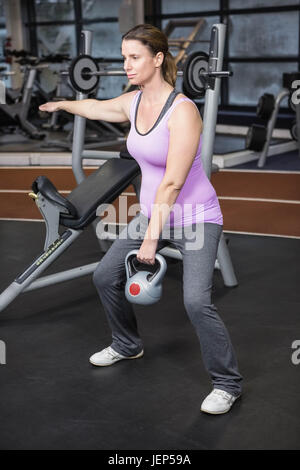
(52, 398)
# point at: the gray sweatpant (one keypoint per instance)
(198, 266)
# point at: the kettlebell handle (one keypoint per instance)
(153, 278)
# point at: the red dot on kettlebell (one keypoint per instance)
(134, 289)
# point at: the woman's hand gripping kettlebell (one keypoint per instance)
(143, 287)
(146, 253)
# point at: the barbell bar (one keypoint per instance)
(84, 73)
(221, 74)
(120, 73)
(111, 73)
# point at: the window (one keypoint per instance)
(202, 35)
(179, 6)
(272, 36)
(106, 40)
(251, 80)
(92, 9)
(52, 10)
(107, 44)
(260, 35)
(56, 40)
(261, 3)
(251, 38)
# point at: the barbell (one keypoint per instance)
(84, 74)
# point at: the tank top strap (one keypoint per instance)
(133, 105)
(168, 104)
(170, 110)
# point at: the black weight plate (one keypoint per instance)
(201, 111)
(256, 137)
(188, 92)
(195, 69)
(193, 83)
(81, 82)
(265, 106)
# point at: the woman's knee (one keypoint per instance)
(196, 305)
(101, 276)
(98, 277)
(105, 276)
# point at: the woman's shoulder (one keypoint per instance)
(184, 111)
(179, 96)
(129, 96)
(182, 105)
(183, 98)
(128, 100)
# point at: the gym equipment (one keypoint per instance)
(18, 112)
(198, 73)
(84, 73)
(143, 287)
(293, 130)
(81, 71)
(194, 83)
(292, 106)
(101, 133)
(4, 74)
(256, 137)
(287, 80)
(265, 106)
(74, 214)
(181, 45)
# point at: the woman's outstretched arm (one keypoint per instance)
(114, 110)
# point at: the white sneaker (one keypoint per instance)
(109, 356)
(218, 402)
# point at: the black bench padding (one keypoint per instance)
(44, 186)
(102, 186)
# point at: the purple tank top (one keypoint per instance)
(197, 200)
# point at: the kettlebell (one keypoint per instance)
(144, 287)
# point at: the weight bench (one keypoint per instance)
(74, 213)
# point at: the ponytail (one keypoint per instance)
(169, 69)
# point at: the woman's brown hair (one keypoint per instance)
(156, 41)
